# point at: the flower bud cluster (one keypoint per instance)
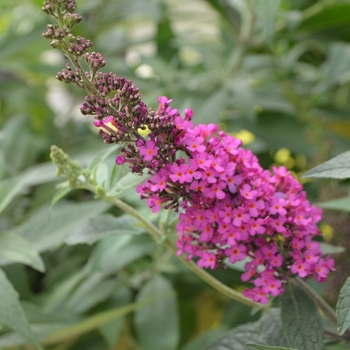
(60, 34)
(232, 210)
(71, 19)
(94, 60)
(68, 76)
(53, 7)
(54, 32)
(78, 45)
(130, 123)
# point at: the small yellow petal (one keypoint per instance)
(144, 132)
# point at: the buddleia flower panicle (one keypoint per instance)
(230, 208)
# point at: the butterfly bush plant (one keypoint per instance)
(229, 208)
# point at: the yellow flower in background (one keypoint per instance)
(245, 136)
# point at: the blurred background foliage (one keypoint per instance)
(275, 73)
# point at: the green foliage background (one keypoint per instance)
(274, 72)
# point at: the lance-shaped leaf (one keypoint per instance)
(157, 324)
(267, 347)
(271, 329)
(266, 12)
(336, 168)
(14, 248)
(342, 204)
(45, 230)
(101, 226)
(237, 338)
(301, 322)
(11, 312)
(124, 180)
(8, 190)
(343, 308)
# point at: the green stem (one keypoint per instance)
(319, 301)
(157, 235)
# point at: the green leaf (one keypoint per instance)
(112, 330)
(237, 338)
(329, 17)
(8, 190)
(301, 322)
(157, 324)
(45, 230)
(242, 96)
(91, 292)
(165, 38)
(343, 308)
(11, 312)
(267, 347)
(327, 248)
(204, 339)
(32, 176)
(336, 168)
(14, 248)
(64, 289)
(100, 319)
(338, 64)
(213, 106)
(102, 156)
(336, 204)
(280, 130)
(115, 252)
(42, 324)
(101, 226)
(125, 183)
(266, 12)
(62, 191)
(270, 328)
(101, 174)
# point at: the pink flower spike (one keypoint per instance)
(149, 151)
(259, 296)
(254, 208)
(164, 100)
(278, 224)
(277, 260)
(301, 268)
(250, 272)
(207, 233)
(207, 260)
(217, 165)
(154, 203)
(179, 173)
(188, 114)
(232, 237)
(247, 193)
(273, 287)
(202, 160)
(277, 207)
(194, 144)
(240, 216)
(120, 160)
(256, 226)
(159, 183)
(237, 253)
(215, 191)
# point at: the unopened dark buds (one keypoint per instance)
(95, 61)
(68, 76)
(70, 20)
